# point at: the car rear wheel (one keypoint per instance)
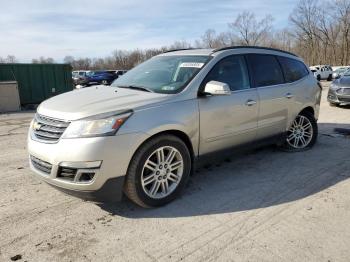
(158, 171)
(302, 134)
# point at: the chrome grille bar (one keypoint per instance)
(41, 165)
(48, 129)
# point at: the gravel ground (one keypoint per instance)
(264, 205)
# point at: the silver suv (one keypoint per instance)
(143, 135)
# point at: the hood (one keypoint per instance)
(95, 100)
(344, 81)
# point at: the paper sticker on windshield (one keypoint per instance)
(168, 88)
(193, 65)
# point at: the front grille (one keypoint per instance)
(41, 165)
(48, 129)
(344, 99)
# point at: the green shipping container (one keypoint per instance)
(37, 82)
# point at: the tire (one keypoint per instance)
(144, 191)
(329, 78)
(318, 78)
(294, 134)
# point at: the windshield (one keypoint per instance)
(341, 70)
(91, 73)
(347, 72)
(163, 74)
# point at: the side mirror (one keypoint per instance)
(216, 88)
(337, 76)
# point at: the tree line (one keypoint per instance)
(318, 31)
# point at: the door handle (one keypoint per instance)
(250, 102)
(289, 95)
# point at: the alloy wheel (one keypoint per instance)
(300, 133)
(162, 172)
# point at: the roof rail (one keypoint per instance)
(179, 49)
(255, 47)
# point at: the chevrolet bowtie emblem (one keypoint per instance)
(36, 126)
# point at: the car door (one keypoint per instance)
(273, 94)
(228, 120)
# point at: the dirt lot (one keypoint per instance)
(264, 205)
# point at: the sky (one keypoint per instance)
(94, 28)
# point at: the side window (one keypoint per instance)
(231, 70)
(266, 70)
(293, 69)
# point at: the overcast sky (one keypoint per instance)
(56, 28)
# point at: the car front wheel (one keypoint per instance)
(302, 134)
(158, 171)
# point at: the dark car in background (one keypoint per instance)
(105, 77)
(339, 91)
(83, 78)
(100, 77)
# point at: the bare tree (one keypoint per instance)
(43, 60)
(251, 31)
(68, 59)
(82, 64)
(209, 39)
(179, 45)
(305, 18)
(319, 32)
(10, 59)
(342, 8)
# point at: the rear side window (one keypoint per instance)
(231, 70)
(266, 70)
(293, 70)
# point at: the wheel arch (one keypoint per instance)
(177, 133)
(308, 109)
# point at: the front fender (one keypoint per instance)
(180, 116)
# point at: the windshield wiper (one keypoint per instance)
(141, 88)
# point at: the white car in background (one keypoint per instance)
(339, 71)
(322, 72)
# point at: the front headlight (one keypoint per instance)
(100, 125)
(334, 86)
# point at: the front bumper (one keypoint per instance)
(107, 158)
(337, 98)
